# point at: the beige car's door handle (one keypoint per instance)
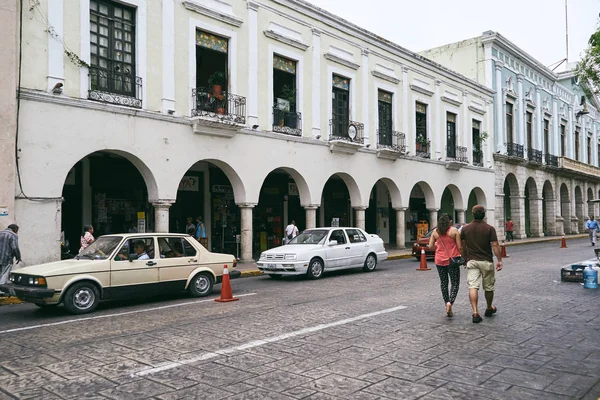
(192, 261)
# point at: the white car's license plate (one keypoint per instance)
(271, 266)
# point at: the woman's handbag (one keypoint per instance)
(454, 261)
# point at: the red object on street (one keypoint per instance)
(503, 247)
(226, 292)
(563, 244)
(423, 264)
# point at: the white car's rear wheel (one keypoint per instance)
(370, 263)
(315, 268)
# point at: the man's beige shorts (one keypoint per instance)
(484, 270)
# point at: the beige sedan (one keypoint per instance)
(122, 266)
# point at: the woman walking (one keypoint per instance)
(449, 246)
(87, 238)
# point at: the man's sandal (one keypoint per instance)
(491, 311)
(477, 318)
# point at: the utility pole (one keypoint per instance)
(567, 31)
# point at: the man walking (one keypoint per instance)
(479, 239)
(592, 227)
(291, 231)
(9, 250)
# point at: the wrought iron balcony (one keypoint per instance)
(227, 107)
(349, 131)
(287, 122)
(514, 150)
(423, 149)
(478, 158)
(551, 160)
(457, 153)
(392, 140)
(122, 88)
(534, 156)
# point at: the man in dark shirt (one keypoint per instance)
(9, 250)
(480, 240)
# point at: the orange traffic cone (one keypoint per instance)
(423, 264)
(563, 244)
(503, 247)
(226, 293)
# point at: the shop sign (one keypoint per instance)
(222, 189)
(3, 211)
(189, 184)
(141, 215)
(292, 189)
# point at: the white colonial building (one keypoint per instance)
(246, 114)
(547, 143)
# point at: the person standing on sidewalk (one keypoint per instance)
(448, 245)
(592, 227)
(9, 250)
(480, 240)
(291, 231)
(509, 227)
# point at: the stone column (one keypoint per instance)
(246, 231)
(433, 217)
(316, 83)
(499, 135)
(520, 112)
(536, 217)
(461, 216)
(517, 210)
(366, 96)
(161, 215)
(560, 225)
(359, 221)
(311, 216)
(400, 227)
(500, 216)
(410, 135)
(438, 134)
(551, 225)
(253, 99)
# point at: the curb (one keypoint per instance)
(250, 272)
(5, 301)
(548, 239)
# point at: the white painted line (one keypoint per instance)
(261, 342)
(70, 321)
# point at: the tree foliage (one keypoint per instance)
(588, 69)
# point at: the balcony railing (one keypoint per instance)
(112, 87)
(392, 140)
(534, 156)
(457, 153)
(287, 122)
(514, 150)
(551, 160)
(578, 167)
(226, 106)
(478, 158)
(423, 149)
(349, 131)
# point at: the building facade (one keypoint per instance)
(138, 114)
(546, 147)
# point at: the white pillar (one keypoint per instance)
(500, 134)
(488, 148)
(555, 144)
(56, 66)
(366, 96)
(168, 55)
(538, 143)
(360, 217)
(433, 217)
(465, 137)
(246, 231)
(520, 110)
(410, 138)
(595, 146)
(311, 216)
(400, 227)
(316, 82)
(570, 138)
(461, 216)
(161, 215)
(438, 138)
(252, 63)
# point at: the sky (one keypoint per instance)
(536, 26)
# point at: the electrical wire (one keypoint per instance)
(22, 193)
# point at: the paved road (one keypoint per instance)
(351, 335)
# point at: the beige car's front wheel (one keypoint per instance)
(81, 298)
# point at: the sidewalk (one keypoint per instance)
(250, 269)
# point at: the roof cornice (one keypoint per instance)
(338, 23)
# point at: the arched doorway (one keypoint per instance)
(380, 216)
(207, 194)
(565, 208)
(105, 189)
(532, 217)
(512, 204)
(452, 203)
(336, 204)
(279, 203)
(579, 209)
(548, 210)
(477, 196)
(421, 209)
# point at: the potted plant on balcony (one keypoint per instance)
(287, 106)
(216, 82)
(421, 143)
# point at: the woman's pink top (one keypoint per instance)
(442, 257)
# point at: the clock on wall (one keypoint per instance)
(352, 131)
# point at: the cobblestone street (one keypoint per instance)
(350, 335)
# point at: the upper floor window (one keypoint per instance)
(112, 54)
(509, 123)
(422, 142)
(577, 134)
(563, 140)
(285, 117)
(340, 94)
(450, 135)
(546, 136)
(529, 129)
(384, 110)
(477, 143)
(589, 150)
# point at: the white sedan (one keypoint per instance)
(318, 250)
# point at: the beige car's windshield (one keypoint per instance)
(101, 248)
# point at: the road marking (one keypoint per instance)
(70, 321)
(260, 342)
